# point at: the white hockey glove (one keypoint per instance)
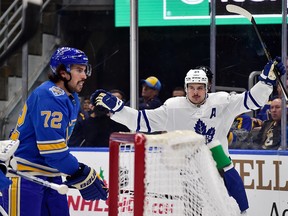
(106, 99)
(268, 74)
(7, 149)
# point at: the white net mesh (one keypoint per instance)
(180, 178)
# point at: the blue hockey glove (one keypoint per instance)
(235, 187)
(268, 75)
(106, 99)
(88, 182)
(4, 181)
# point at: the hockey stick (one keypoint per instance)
(3, 212)
(61, 189)
(30, 23)
(241, 11)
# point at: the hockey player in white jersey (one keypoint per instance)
(209, 114)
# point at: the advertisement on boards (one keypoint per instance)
(264, 173)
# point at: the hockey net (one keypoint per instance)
(165, 174)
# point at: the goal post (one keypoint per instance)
(136, 141)
(165, 174)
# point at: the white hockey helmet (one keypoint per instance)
(196, 76)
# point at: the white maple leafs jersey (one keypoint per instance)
(212, 119)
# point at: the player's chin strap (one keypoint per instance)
(66, 83)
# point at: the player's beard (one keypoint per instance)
(76, 87)
(197, 100)
(79, 86)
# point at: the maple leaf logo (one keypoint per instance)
(201, 128)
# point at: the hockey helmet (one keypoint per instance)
(69, 56)
(196, 76)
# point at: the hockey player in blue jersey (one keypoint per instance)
(208, 114)
(43, 128)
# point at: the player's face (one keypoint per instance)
(196, 92)
(78, 77)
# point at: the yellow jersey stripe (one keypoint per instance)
(14, 197)
(22, 167)
(51, 147)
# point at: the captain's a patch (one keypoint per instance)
(56, 91)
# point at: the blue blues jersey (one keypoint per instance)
(243, 121)
(43, 128)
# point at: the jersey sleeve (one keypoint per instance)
(258, 96)
(143, 120)
(253, 99)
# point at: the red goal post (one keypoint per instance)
(165, 174)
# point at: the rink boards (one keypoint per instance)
(265, 175)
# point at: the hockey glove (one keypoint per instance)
(268, 75)
(4, 181)
(235, 187)
(106, 99)
(8, 147)
(88, 182)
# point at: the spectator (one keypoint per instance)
(77, 134)
(118, 93)
(240, 135)
(86, 104)
(269, 136)
(264, 113)
(150, 91)
(178, 92)
(149, 94)
(95, 130)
